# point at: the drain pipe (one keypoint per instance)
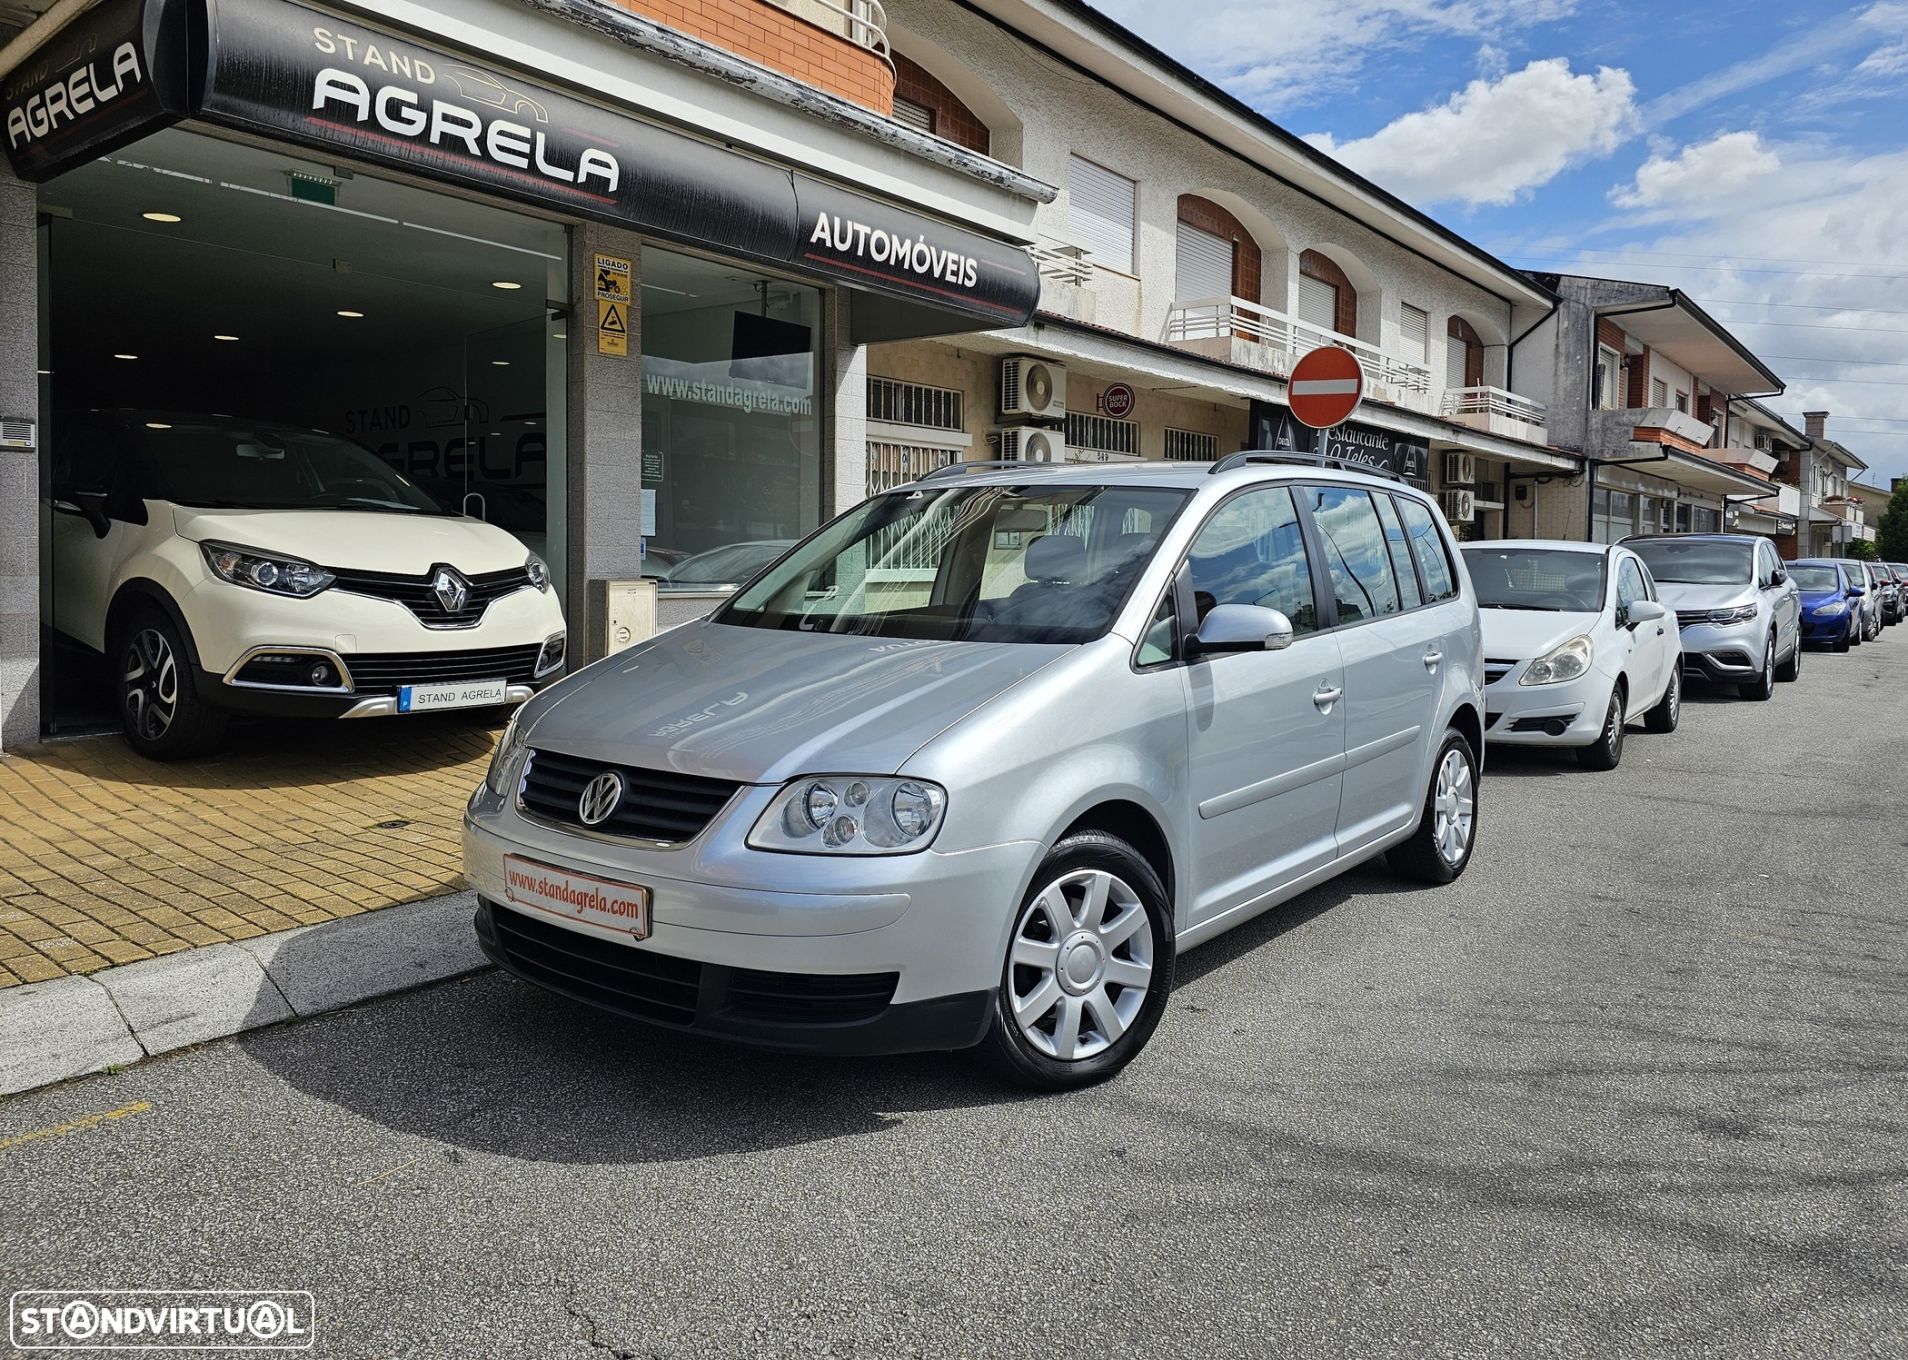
(15, 53)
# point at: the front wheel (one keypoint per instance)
(1669, 709)
(1088, 968)
(1763, 685)
(1792, 668)
(1607, 750)
(159, 709)
(1847, 639)
(1440, 848)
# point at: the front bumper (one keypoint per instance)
(1727, 653)
(1566, 714)
(1827, 628)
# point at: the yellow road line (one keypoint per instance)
(80, 1125)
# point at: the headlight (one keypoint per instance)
(1745, 613)
(262, 571)
(1566, 662)
(539, 572)
(509, 755)
(1834, 609)
(842, 814)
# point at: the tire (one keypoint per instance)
(1847, 639)
(1857, 632)
(1791, 670)
(1669, 709)
(1606, 753)
(1050, 1030)
(1440, 849)
(1764, 686)
(160, 710)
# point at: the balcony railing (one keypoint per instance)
(1058, 260)
(863, 22)
(1493, 401)
(1786, 501)
(1210, 319)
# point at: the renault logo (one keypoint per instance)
(451, 590)
(600, 797)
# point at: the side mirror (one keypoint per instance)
(89, 506)
(1241, 628)
(1778, 576)
(1857, 592)
(1645, 611)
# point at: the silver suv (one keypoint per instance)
(971, 764)
(1740, 613)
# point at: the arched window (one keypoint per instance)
(1463, 355)
(1216, 255)
(1326, 296)
(924, 103)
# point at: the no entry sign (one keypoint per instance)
(1325, 387)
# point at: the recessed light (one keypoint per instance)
(157, 425)
(167, 218)
(125, 356)
(559, 336)
(44, 372)
(500, 363)
(225, 337)
(506, 285)
(353, 315)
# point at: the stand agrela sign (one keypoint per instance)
(1325, 387)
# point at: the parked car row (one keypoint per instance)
(1846, 603)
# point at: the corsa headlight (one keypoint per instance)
(508, 756)
(845, 814)
(1744, 613)
(265, 571)
(539, 572)
(1565, 662)
(1834, 609)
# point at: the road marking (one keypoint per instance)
(80, 1125)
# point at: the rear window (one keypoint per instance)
(1427, 546)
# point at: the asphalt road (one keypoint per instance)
(1637, 1085)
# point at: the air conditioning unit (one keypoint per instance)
(1460, 507)
(1033, 388)
(1031, 444)
(1460, 469)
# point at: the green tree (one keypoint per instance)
(1891, 531)
(1863, 551)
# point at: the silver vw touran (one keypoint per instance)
(972, 763)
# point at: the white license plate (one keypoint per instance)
(454, 694)
(580, 897)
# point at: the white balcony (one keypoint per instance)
(1786, 501)
(1251, 336)
(1759, 461)
(1495, 411)
(1061, 262)
(862, 22)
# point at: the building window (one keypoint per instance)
(908, 403)
(1189, 446)
(1217, 255)
(1414, 333)
(1609, 379)
(924, 103)
(1102, 208)
(1463, 355)
(1102, 435)
(910, 114)
(731, 422)
(1659, 393)
(1703, 520)
(1326, 296)
(891, 465)
(1682, 401)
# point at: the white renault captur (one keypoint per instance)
(971, 764)
(1576, 646)
(236, 566)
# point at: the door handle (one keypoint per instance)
(1431, 660)
(1325, 696)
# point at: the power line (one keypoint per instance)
(1806, 306)
(1687, 255)
(1730, 269)
(1819, 359)
(1821, 326)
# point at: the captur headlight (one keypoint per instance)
(852, 815)
(1565, 662)
(508, 756)
(539, 571)
(265, 571)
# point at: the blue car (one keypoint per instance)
(1832, 592)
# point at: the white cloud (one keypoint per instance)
(1700, 175)
(1285, 54)
(1495, 140)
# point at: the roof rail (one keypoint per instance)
(959, 469)
(1247, 456)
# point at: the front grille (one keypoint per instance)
(383, 672)
(657, 805)
(1535, 724)
(416, 595)
(650, 986)
(1497, 670)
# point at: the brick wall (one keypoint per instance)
(952, 119)
(782, 41)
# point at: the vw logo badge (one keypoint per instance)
(600, 797)
(451, 591)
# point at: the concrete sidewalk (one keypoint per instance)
(69, 1026)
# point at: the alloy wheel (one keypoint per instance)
(1454, 803)
(1081, 964)
(1675, 697)
(151, 681)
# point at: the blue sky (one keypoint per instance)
(1758, 160)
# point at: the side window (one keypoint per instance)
(1252, 551)
(1400, 552)
(1771, 564)
(1160, 644)
(1427, 545)
(1363, 582)
(87, 458)
(1629, 585)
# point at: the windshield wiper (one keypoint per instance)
(1532, 608)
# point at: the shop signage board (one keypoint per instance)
(1118, 401)
(1274, 427)
(612, 328)
(113, 75)
(612, 278)
(1325, 387)
(278, 68)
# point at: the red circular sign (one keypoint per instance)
(1117, 401)
(1325, 387)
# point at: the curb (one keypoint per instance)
(71, 1026)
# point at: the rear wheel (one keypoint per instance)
(1763, 685)
(1088, 968)
(161, 713)
(1440, 848)
(1792, 668)
(1607, 751)
(1669, 709)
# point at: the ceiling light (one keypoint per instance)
(157, 425)
(167, 218)
(500, 363)
(353, 315)
(44, 372)
(559, 336)
(506, 285)
(125, 356)
(225, 337)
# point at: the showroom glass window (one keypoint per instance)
(731, 448)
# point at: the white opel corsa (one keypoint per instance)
(232, 566)
(1576, 646)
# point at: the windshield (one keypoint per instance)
(971, 564)
(1808, 577)
(1554, 579)
(242, 464)
(1696, 561)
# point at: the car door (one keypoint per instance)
(1642, 642)
(1784, 600)
(91, 471)
(1267, 729)
(1668, 638)
(1393, 660)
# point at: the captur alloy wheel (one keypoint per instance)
(151, 692)
(1081, 964)
(1454, 805)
